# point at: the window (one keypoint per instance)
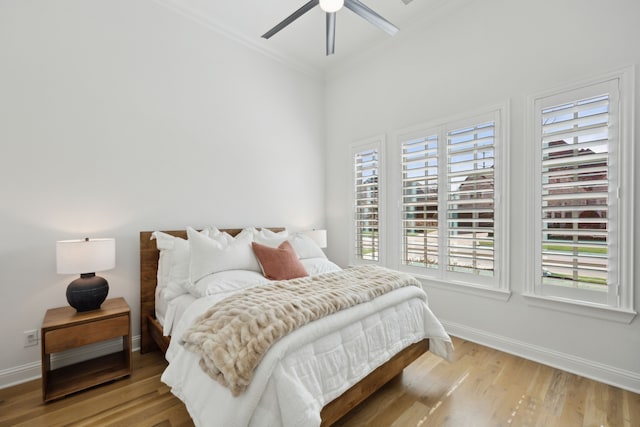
(581, 216)
(450, 210)
(420, 201)
(366, 200)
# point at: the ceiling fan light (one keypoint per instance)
(331, 5)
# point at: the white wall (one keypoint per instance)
(120, 116)
(465, 56)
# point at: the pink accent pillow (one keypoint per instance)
(279, 263)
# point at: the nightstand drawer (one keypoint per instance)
(83, 334)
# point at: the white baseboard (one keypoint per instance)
(607, 374)
(20, 374)
(32, 371)
(587, 368)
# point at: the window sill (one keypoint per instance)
(465, 288)
(581, 308)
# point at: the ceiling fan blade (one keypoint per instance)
(331, 33)
(360, 9)
(289, 19)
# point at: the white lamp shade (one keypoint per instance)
(85, 256)
(318, 236)
(331, 5)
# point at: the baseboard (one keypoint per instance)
(587, 368)
(32, 371)
(607, 374)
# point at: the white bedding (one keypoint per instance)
(175, 309)
(169, 307)
(308, 368)
(162, 303)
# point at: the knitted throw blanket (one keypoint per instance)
(232, 336)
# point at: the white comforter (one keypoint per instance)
(310, 367)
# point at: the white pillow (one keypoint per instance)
(208, 256)
(269, 238)
(163, 264)
(213, 231)
(219, 236)
(315, 266)
(173, 263)
(228, 281)
(306, 247)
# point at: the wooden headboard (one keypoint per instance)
(149, 256)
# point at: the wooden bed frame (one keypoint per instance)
(152, 337)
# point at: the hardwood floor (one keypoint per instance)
(483, 387)
(140, 400)
(489, 388)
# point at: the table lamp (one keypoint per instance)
(318, 236)
(85, 257)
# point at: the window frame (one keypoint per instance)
(378, 143)
(496, 287)
(618, 303)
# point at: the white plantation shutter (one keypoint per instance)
(448, 201)
(366, 203)
(578, 144)
(420, 201)
(575, 187)
(470, 199)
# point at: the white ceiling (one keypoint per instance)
(303, 42)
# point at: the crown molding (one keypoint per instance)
(249, 42)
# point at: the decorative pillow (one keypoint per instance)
(209, 256)
(173, 263)
(279, 263)
(306, 247)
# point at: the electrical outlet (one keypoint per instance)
(31, 338)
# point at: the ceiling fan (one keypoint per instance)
(331, 7)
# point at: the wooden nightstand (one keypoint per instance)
(63, 329)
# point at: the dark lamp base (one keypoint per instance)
(87, 292)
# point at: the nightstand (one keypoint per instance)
(64, 328)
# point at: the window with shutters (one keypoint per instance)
(451, 214)
(581, 218)
(366, 200)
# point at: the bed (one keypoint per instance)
(153, 336)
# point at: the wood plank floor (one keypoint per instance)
(483, 387)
